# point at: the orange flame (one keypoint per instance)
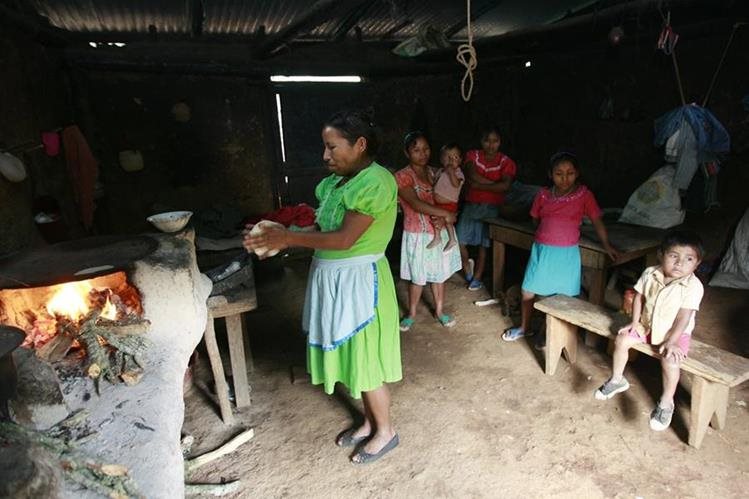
(109, 311)
(70, 300)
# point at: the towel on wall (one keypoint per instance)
(83, 170)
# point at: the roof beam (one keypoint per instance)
(475, 14)
(560, 28)
(197, 17)
(392, 31)
(313, 17)
(33, 26)
(353, 17)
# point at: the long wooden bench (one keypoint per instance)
(715, 371)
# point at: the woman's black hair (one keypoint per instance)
(411, 137)
(355, 123)
(683, 238)
(561, 157)
(487, 130)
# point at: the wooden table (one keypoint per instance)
(231, 306)
(630, 240)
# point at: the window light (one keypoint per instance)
(316, 79)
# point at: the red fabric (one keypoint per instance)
(451, 207)
(301, 215)
(499, 166)
(51, 143)
(83, 170)
(560, 217)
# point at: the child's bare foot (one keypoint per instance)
(450, 245)
(434, 243)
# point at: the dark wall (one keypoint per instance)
(34, 96)
(556, 104)
(227, 152)
(222, 155)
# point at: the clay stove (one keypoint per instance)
(148, 290)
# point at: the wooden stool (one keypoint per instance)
(231, 307)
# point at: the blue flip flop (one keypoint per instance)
(446, 320)
(364, 457)
(406, 324)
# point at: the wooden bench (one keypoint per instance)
(714, 371)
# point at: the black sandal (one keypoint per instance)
(347, 439)
(364, 457)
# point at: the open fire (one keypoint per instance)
(101, 316)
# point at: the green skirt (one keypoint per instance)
(372, 356)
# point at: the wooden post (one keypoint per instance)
(222, 390)
(596, 294)
(709, 402)
(238, 362)
(561, 337)
(498, 268)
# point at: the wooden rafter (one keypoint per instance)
(476, 12)
(355, 14)
(314, 16)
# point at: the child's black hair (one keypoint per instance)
(451, 145)
(411, 137)
(561, 157)
(355, 123)
(683, 238)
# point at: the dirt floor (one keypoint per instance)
(477, 417)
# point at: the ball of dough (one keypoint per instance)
(257, 230)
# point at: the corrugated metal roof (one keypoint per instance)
(389, 19)
(118, 16)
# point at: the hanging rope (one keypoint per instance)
(720, 64)
(467, 57)
(667, 43)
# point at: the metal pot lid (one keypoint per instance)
(73, 260)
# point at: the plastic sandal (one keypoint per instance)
(475, 285)
(406, 324)
(363, 457)
(446, 320)
(514, 334)
(347, 439)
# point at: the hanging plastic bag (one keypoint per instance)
(428, 38)
(12, 168)
(656, 203)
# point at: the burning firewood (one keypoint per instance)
(106, 340)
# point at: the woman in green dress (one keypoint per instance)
(350, 310)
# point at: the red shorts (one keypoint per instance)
(451, 207)
(683, 342)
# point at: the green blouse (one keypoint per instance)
(371, 192)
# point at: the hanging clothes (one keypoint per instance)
(83, 170)
(692, 135)
(712, 137)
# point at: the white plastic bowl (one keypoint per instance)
(171, 221)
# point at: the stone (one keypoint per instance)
(39, 404)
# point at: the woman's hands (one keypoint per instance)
(272, 238)
(611, 251)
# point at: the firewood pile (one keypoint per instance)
(113, 347)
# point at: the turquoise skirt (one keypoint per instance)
(553, 270)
